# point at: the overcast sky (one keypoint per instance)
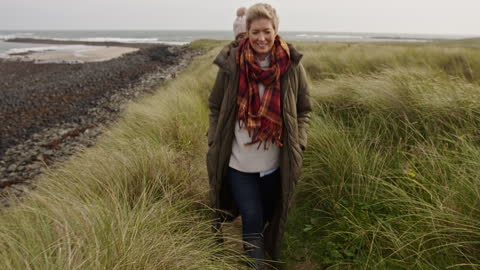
(387, 16)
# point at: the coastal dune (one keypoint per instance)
(52, 103)
(390, 177)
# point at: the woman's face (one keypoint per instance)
(261, 35)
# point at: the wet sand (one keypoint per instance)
(85, 54)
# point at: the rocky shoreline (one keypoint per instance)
(50, 111)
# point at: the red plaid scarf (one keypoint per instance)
(261, 117)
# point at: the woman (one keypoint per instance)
(258, 129)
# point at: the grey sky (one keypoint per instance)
(391, 16)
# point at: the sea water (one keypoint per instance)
(180, 37)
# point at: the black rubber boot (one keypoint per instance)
(256, 253)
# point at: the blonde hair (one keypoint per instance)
(262, 11)
(241, 11)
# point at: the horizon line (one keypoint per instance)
(227, 30)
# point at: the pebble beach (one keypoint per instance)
(54, 103)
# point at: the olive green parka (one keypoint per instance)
(296, 107)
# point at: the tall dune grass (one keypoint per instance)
(137, 200)
(330, 60)
(391, 175)
(390, 179)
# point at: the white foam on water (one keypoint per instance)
(16, 35)
(124, 40)
(114, 39)
(6, 37)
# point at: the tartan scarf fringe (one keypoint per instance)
(261, 117)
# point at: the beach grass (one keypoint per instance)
(390, 179)
(391, 173)
(137, 200)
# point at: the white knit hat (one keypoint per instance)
(240, 25)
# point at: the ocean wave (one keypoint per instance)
(124, 40)
(115, 39)
(128, 40)
(16, 35)
(6, 37)
(88, 39)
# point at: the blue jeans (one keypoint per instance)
(256, 198)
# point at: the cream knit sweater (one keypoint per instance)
(248, 158)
